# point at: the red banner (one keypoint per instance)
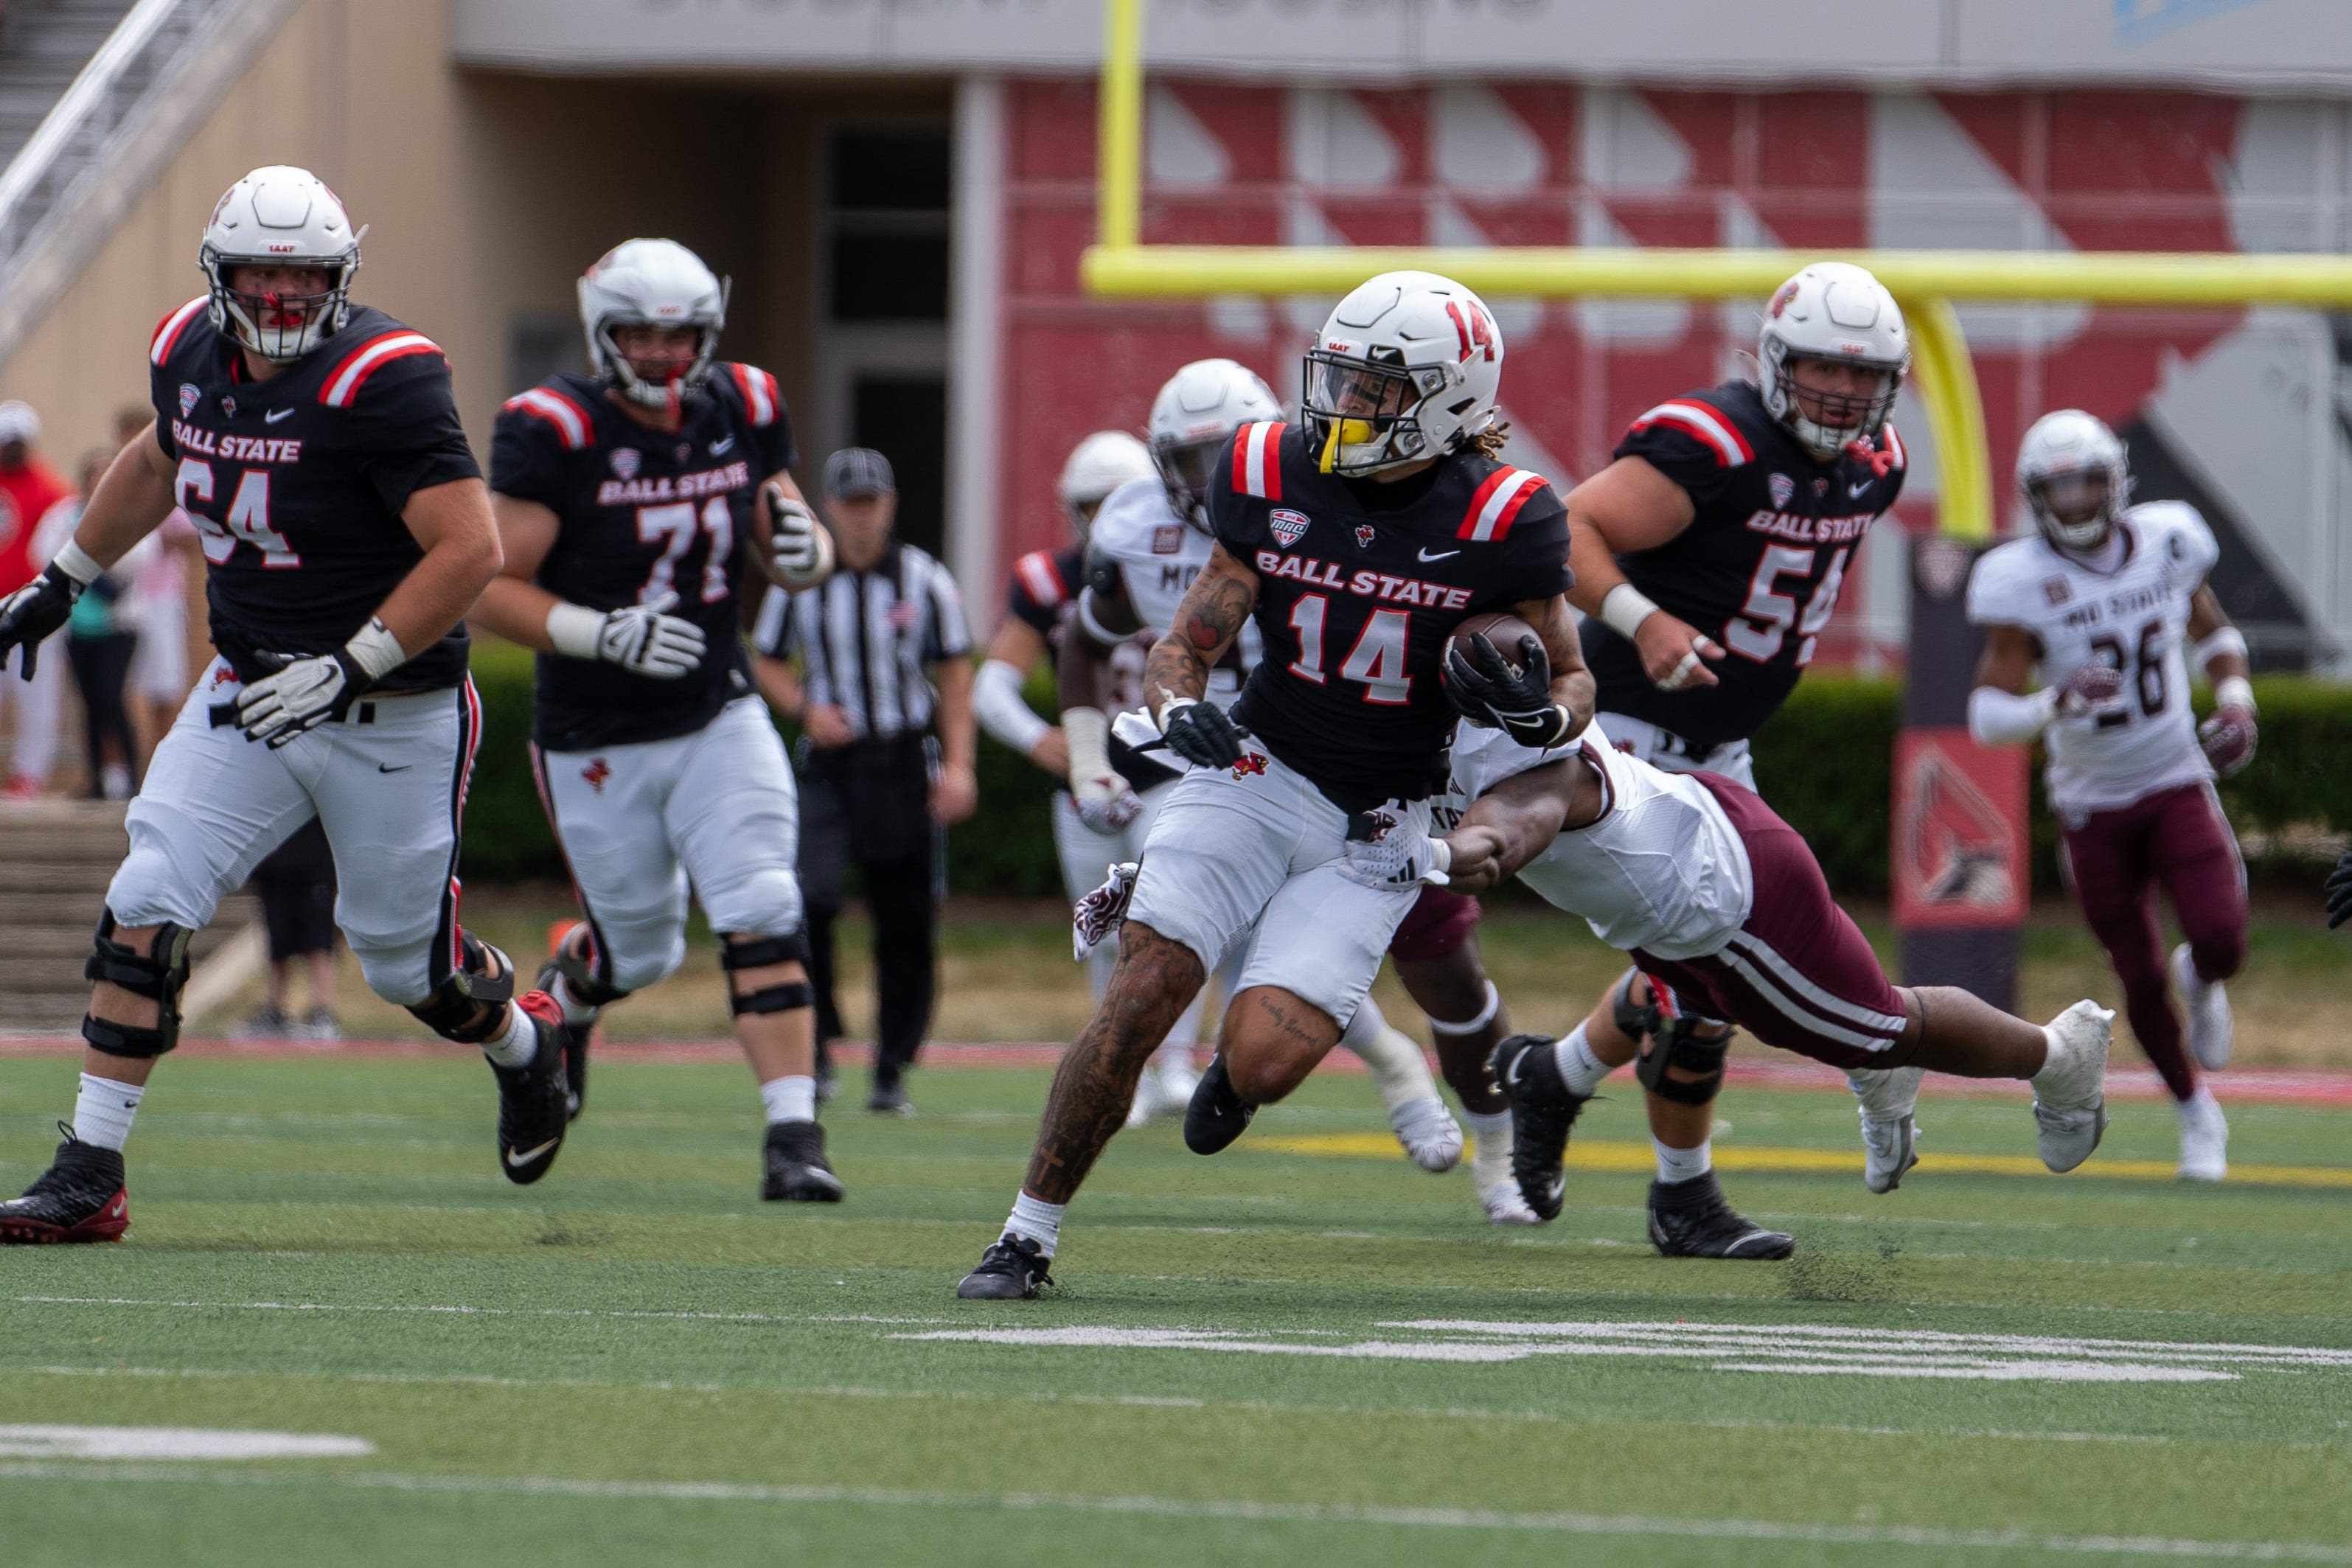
(1958, 846)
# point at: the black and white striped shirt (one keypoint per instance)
(867, 639)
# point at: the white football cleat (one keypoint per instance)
(2211, 1029)
(2070, 1093)
(1428, 1134)
(2204, 1137)
(1164, 1089)
(1890, 1137)
(1505, 1207)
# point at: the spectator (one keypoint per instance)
(297, 885)
(157, 608)
(100, 644)
(29, 488)
(884, 656)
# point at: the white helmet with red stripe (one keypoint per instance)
(1095, 466)
(1407, 368)
(652, 283)
(1193, 417)
(281, 217)
(1835, 311)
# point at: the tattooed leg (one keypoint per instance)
(1156, 979)
(1272, 1040)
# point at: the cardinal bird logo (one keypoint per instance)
(1363, 535)
(596, 772)
(1250, 763)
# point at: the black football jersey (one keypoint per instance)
(1760, 566)
(1359, 584)
(641, 512)
(1043, 593)
(296, 484)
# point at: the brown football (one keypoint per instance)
(1501, 628)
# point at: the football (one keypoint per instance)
(1500, 627)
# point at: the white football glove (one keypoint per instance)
(801, 552)
(308, 692)
(1388, 849)
(641, 638)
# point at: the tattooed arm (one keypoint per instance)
(1215, 610)
(1572, 682)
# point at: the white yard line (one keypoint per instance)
(1242, 1509)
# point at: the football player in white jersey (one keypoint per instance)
(2097, 605)
(1150, 540)
(1724, 908)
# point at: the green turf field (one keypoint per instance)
(1275, 1356)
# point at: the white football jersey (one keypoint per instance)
(1662, 870)
(1159, 554)
(2135, 617)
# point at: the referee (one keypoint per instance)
(884, 659)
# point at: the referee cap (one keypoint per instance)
(858, 471)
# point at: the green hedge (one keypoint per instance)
(1824, 761)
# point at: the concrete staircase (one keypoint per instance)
(56, 859)
(43, 47)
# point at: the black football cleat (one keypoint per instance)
(575, 1046)
(888, 1098)
(80, 1197)
(796, 1167)
(1215, 1116)
(1692, 1220)
(1013, 1269)
(1542, 1112)
(534, 1106)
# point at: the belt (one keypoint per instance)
(223, 716)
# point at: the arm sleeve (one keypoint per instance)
(1993, 593)
(1681, 453)
(1002, 711)
(1997, 717)
(772, 629)
(409, 437)
(527, 459)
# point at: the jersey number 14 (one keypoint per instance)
(1376, 659)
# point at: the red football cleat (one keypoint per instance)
(80, 1197)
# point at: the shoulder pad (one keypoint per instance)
(343, 384)
(1702, 423)
(762, 400)
(2003, 584)
(1040, 579)
(1497, 501)
(1257, 460)
(168, 332)
(557, 409)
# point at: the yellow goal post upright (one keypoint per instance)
(1927, 282)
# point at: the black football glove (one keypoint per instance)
(2339, 891)
(1494, 693)
(34, 610)
(1201, 733)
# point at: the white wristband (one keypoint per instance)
(574, 629)
(376, 650)
(1441, 854)
(997, 703)
(77, 563)
(2220, 641)
(2233, 690)
(1624, 608)
(1997, 717)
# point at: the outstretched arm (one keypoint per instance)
(1511, 824)
(1215, 610)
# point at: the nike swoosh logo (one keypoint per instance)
(275, 414)
(1853, 490)
(387, 767)
(1441, 555)
(721, 448)
(518, 1158)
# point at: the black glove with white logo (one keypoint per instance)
(34, 610)
(1201, 733)
(1495, 693)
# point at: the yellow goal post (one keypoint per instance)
(1926, 282)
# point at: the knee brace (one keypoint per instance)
(1677, 1044)
(1633, 1021)
(579, 979)
(758, 953)
(157, 975)
(466, 1006)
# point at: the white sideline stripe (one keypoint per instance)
(1558, 1523)
(53, 1442)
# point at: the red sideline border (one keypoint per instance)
(2246, 1086)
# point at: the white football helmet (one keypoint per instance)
(1095, 466)
(279, 216)
(1836, 312)
(1407, 368)
(2075, 475)
(652, 283)
(1193, 417)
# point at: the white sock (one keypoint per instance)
(792, 1098)
(1681, 1165)
(114, 781)
(1173, 1056)
(575, 1010)
(102, 1112)
(1583, 1071)
(1037, 1219)
(1393, 1057)
(518, 1045)
(1492, 1161)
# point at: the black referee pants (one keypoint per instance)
(868, 804)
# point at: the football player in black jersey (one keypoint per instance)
(346, 531)
(1710, 555)
(626, 500)
(1358, 542)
